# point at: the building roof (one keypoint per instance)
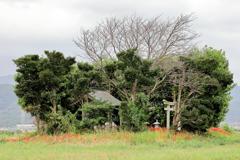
(99, 93)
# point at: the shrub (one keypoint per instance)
(134, 114)
(62, 121)
(226, 127)
(97, 113)
(18, 131)
(2, 140)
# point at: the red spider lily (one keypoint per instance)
(11, 140)
(157, 129)
(68, 135)
(218, 130)
(120, 136)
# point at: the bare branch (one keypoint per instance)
(154, 38)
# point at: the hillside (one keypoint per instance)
(235, 92)
(233, 115)
(7, 96)
(10, 111)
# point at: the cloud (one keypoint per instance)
(32, 26)
(20, 1)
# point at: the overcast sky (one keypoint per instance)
(32, 26)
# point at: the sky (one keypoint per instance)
(32, 26)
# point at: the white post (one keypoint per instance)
(168, 109)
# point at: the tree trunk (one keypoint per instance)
(54, 107)
(54, 101)
(83, 113)
(110, 114)
(133, 97)
(134, 89)
(176, 119)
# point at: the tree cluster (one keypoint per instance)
(140, 62)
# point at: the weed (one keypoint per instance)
(226, 127)
(2, 140)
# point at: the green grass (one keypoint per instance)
(31, 151)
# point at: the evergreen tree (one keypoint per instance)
(132, 78)
(42, 83)
(130, 74)
(52, 72)
(29, 87)
(211, 106)
(79, 83)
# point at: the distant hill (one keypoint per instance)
(7, 80)
(233, 114)
(235, 93)
(7, 96)
(10, 111)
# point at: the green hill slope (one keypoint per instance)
(233, 114)
(10, 111)
(6, 96)
(235, 92)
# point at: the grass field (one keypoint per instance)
(31, 151)
(110, 145)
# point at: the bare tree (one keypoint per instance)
(154, 38)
